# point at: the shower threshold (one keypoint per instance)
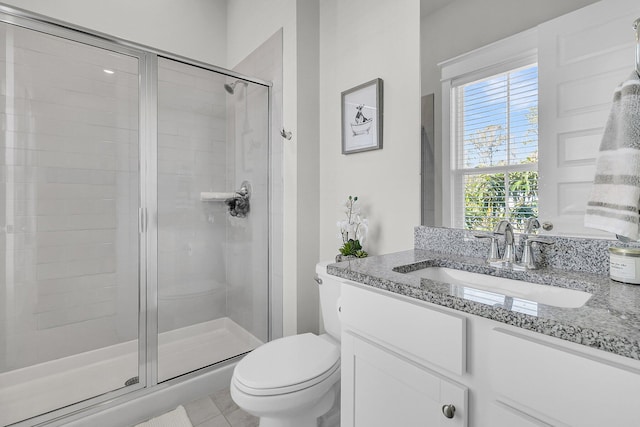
(37, 389)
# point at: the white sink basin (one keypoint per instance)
(543, 294)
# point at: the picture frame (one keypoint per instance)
(362, 117)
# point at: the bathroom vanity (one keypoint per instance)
(422, 351)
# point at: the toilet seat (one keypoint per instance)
(286, 365)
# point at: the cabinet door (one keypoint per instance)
(381, 389)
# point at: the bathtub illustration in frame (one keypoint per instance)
(362, 117)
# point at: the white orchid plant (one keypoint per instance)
(353, 230)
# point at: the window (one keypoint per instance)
(495, 149)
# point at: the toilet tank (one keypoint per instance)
(329, 299)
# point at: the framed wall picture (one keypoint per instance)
(362, 117)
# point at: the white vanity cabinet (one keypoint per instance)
(403, 360)
(386, 343)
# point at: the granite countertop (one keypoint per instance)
(609, 320)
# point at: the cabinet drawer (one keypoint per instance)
(421, 333)
(559, 382)
(505, 416)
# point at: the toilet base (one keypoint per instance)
(311, 415)
(318, 414)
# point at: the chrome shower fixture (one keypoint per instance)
(239, 203)
(286, 134)
(231, 87)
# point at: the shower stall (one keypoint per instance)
(134, 206)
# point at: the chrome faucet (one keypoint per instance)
(508, 258)
(528, 261)
(494, 252)
(505, 228)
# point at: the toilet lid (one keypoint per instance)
(286, 362)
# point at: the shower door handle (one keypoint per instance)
(142, 220)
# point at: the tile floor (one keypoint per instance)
(218, 410)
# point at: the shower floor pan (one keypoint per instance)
(37, 389)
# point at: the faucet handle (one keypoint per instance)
(538, 239)
(494, 254)
(528, 261)
(484, 235)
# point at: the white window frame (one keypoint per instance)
(504, 55)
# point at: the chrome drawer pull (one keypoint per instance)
(449, 410)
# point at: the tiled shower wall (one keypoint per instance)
(69, 155)
(192, 158)
(248, 156)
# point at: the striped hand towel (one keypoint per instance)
(615, 196)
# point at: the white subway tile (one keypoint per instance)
(75, 284)
(64, 301)
(57, 270)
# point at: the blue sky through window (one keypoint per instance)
(499, 119)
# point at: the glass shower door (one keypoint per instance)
(69, 198)
(213, 136)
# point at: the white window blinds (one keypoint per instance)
(496, 149)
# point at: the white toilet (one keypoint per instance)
(291, 381)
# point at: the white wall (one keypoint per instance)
(308, 136)
(361, 40)
(465, 25)
(195, 28)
